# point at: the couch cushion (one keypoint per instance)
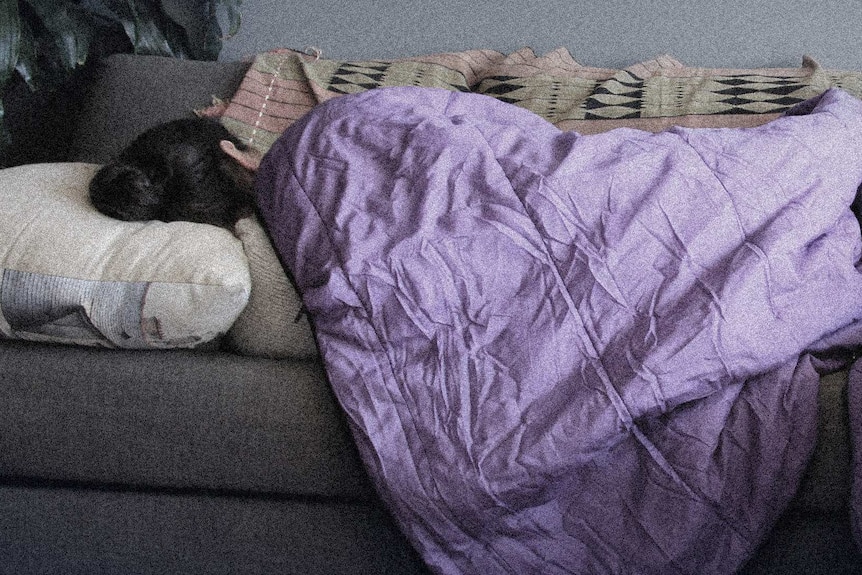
(125, 95)
(272, 324)
(70, 274)
(803, 543)
(825, 487)
(103, 531)
(175, 418)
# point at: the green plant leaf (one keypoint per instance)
(234, 16)
(5, 137)
(211, 39)
(116, 11)
(215, 33)
(99, 10)
(146, 26)
(69, 29)
(10, 40)
(27, 65)
(203, 22)
(10, 43)
(155, 33)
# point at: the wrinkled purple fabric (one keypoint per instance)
(571, 354)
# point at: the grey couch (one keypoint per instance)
(209, 462)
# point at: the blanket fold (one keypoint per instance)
(572, 354)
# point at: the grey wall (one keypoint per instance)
(742, 33)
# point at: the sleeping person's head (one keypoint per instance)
(185, 170)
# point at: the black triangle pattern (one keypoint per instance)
(757, 94)
(504, 88)
(350, 77)
(553, 99)
(501, 89)
(354, 77)
(619, 97)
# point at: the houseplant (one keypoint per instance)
(43, 41)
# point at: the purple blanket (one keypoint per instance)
(572, 354)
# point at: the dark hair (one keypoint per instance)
(176, 172)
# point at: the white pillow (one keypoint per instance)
(72, 275)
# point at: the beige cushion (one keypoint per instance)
(272, 325)
(72, 275)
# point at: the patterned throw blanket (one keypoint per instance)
(572, 354)
(282, 86)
